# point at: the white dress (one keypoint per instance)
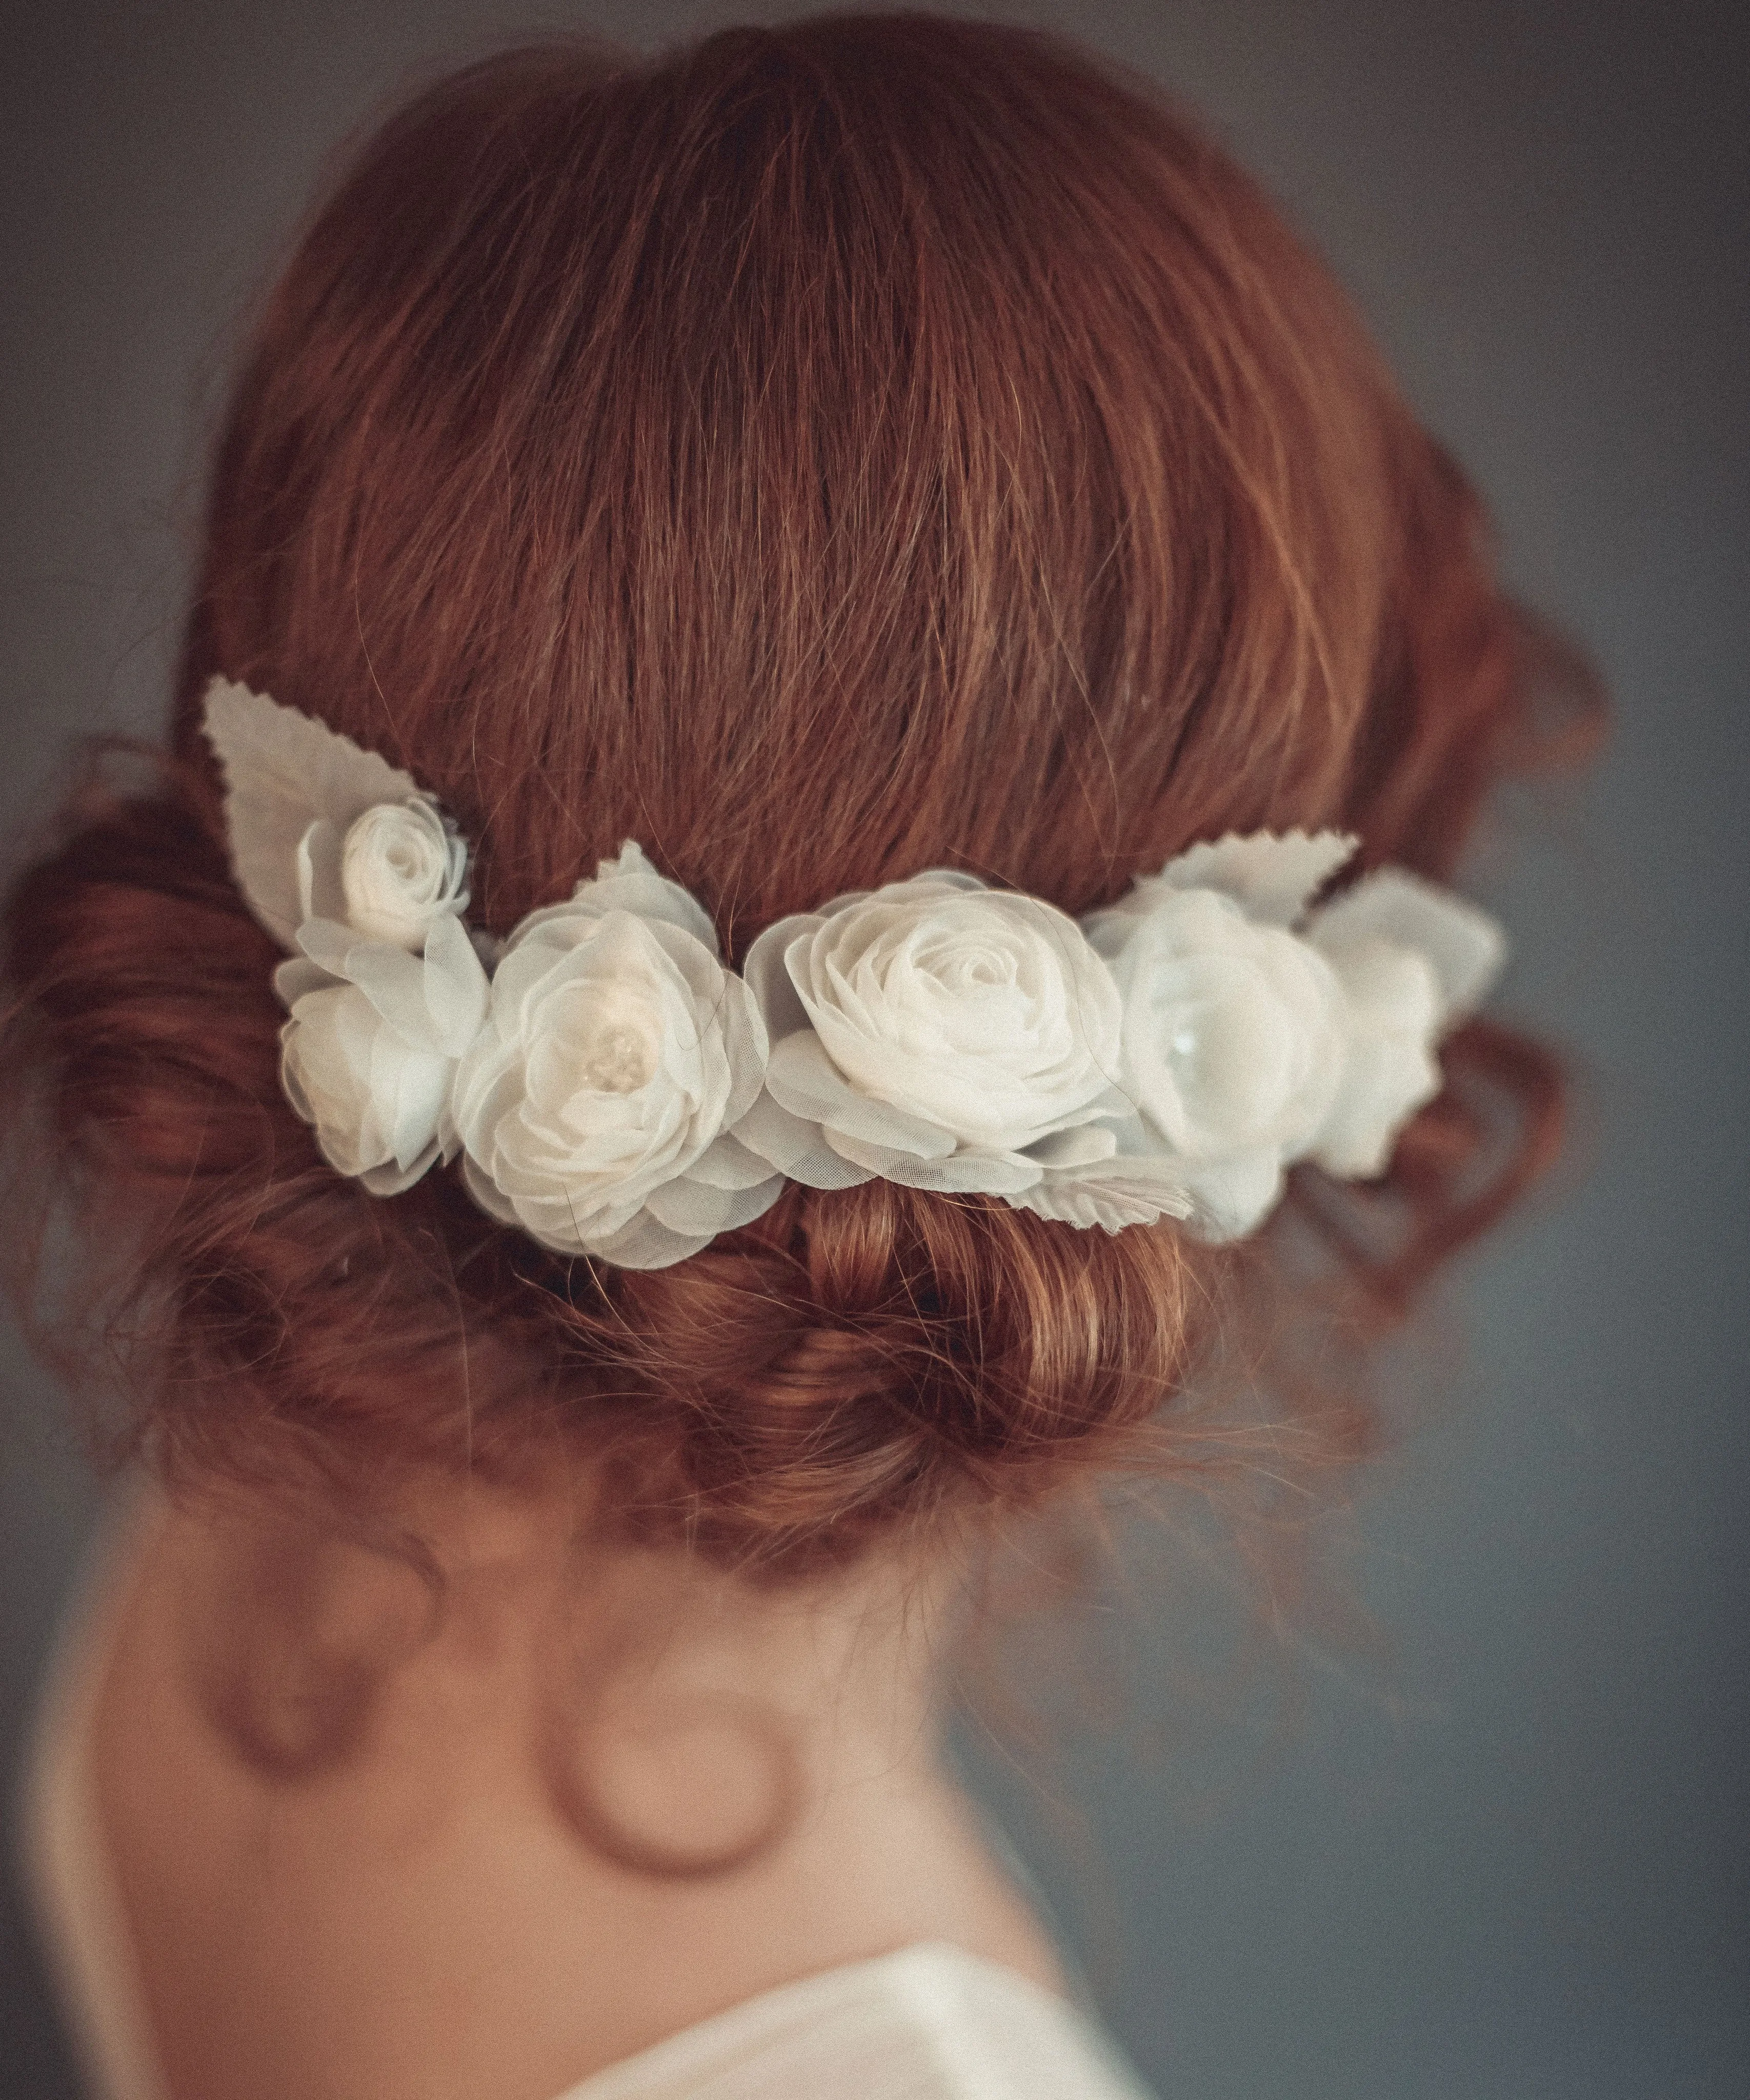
(929, 2022)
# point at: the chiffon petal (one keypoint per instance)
(645, 1243)
(727, 1164)
(960, 1173)
(1464, 945)
(691, 1206)
(801, 1077)
(767, 976)
(391, 1179)
(796, 1147)
(1229, 1198)
(1083, 1146)
(629, 884)
(320, 892)
(296, 977)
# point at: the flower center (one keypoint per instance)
(616, 1058)
(411, 858)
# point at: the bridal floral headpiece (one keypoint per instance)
(614, 1090)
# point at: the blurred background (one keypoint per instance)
(1498, 1846)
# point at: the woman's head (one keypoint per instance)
(831, 451)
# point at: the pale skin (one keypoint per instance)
(424, 1918)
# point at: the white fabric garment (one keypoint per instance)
(930, 2022)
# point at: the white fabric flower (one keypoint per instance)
(1249, 1045)
(933, 1032)
(285, 772)
(1412, 959)
(1234, 1036)
(617, 1093)
(1233, 1044)
(596, 1108)
(1394, 1009)
(397, 868)
(372, 1044)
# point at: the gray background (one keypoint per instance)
(1499, 1848)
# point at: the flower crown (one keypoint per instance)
(615, 1090)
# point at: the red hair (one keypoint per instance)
(826, 452)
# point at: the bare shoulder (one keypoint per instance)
(416, 1913)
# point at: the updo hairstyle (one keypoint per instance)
(823, 453)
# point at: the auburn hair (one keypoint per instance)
(821, 453)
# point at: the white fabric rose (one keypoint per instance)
(596, 1110)
(617, 1093)
(1412, 959)
(372, 1044)
(933, 1032)
(1235, 1041)
(396, 870)
(284, 773)
(1393, 1002)
(1233, 1045)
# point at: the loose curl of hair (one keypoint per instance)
(824, 452)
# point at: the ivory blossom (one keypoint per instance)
(371, 1046)
(596, 1107)
(933, 1032)
(1233, 1044)
(1412, 959)
(401, 867)
(391, 875)
(615, 1092)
